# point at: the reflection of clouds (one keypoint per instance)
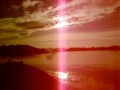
(50, 56)
(51, 53)
(77, 12)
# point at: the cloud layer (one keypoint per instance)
(36, 16)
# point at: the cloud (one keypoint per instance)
(29, 3)
(76, 12)
(9, 36)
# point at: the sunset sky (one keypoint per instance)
(37, 23)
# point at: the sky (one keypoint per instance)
(85, 23)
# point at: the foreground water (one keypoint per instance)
(89, 70)
(86, 70)
(94, 79)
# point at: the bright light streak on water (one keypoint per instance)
(61, 43)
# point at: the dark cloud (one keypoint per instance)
(11, 8)
(18, 8)
(31, 25)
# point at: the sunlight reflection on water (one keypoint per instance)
(62, 75)
(81, 81)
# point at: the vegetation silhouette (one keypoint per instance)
(19, 51)
(26, 50)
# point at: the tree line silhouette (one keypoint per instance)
(20, 50)
(26, 50)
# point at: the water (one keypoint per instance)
(89, 82)
(90, 70)
(86, 70)
(108, 59)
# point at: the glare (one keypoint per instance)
(61, 19)
(62, 75)
(61, 22)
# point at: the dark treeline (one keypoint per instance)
(115, 48)
(26, 50)
(112, 48)
(20, 50)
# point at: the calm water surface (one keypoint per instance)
(105, 58)
(86, 70)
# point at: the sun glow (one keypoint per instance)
(61, 22)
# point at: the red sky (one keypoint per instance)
(87, 23)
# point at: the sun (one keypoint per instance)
(62, 75)
(61, 22)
